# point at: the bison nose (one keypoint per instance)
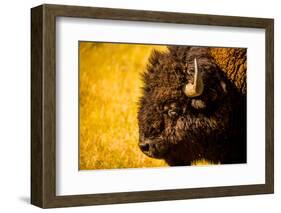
(144, 146)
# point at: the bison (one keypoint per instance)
(190, 109)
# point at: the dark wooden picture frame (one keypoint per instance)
(43, 105)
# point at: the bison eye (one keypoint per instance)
(171, 109)
(172, 113)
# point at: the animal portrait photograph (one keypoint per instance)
(132, 106)
(154, 105)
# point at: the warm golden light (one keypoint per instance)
(110, 86)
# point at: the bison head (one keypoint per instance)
(183, 106)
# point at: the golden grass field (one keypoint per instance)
(110, 87)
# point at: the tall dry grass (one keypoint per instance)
(109, 90)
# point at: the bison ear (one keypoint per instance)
(223, 86)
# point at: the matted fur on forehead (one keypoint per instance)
(167, 71)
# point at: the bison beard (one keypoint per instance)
(190, 110)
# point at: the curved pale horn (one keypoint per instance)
(195, 89)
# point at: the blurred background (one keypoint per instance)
(110, 87)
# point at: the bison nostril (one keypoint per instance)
(144, 147)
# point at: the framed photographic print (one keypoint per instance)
(136, 106)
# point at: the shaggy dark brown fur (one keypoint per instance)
(180, 129)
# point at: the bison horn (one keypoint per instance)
(195, 89)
